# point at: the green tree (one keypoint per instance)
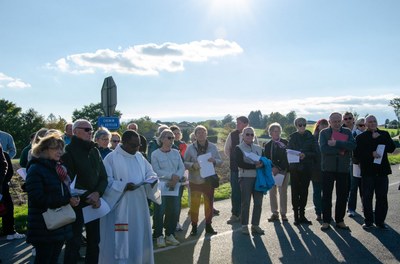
(56, 122)
(147, 128)
(395, 103)
(92, 112)
(227, 119)
(255, 118)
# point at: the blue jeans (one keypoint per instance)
(317, 196)
(235, 195)
(355, 184)
(166, 215)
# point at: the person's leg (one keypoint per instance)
(171, 214)
(246, 189)
(305, 177)
(93, 239)
(235, 195)
(72, 246)
(8, 219)
(327, 188)
(341, 196)
(208, 195)
(295, 185)
(56, 250)
(352, 204)
(257, 207)
(381, 203)
(317, 197)
(283, 196)
(368, 193)
(195, 195)
(273, 192)
(158, 217)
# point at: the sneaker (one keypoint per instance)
(273, 218)
(161, 242)
(367, 226)
(351, 213)
(179, 227)
(382, 226)
(342, 225)
(325, 226)
(245, 230)
(15, 236)
(257, 230)
(171, 240)
(233, 219)
(284, 218)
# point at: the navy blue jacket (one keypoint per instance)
(45, 190)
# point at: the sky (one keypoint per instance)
(196, 60)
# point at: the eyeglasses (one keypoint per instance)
(301, 125)
(347, 118)
(361, 125)
(87, 129)
(170, 138)
(116, 140)
(249, 135)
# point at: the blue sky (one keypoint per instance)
(202, 59)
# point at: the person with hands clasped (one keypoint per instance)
(300, 173)
(47, 185)
(168, 165)
(247, 179)
(336, 145)
(371, 154)
(198, 185)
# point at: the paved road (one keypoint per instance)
(282, 243)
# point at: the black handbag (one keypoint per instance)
(213, 180)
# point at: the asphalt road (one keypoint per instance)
(282, 242)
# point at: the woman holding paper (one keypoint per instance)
(300, 172)
(245, 154)
(168, 165)
(197, 183)
(47, 187)
(275, 150)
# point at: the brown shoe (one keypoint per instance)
(342, 225)
(325, 226)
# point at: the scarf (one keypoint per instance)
(62, 174)
(279, 143)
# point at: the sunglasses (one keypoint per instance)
(170, 138)
(361, 125)
(87, 129)
(249, 135)
(115, 140)
(347, 118)
(301, 125)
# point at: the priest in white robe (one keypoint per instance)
(125, 233)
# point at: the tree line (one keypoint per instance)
(22, 124)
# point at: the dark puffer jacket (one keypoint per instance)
(45, 190)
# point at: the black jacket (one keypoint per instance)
(277, 154)
(363, 153)
(306, 144)
(45, 190)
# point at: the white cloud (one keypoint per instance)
(147, 59)
(13, 83)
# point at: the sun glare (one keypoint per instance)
(231, 6)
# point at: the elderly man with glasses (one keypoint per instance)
(84, 163)
(336, 143)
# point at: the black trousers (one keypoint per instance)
(48, 252)
(342, 192)
(300, 180)
(8, 219)
(378, 185)
(71, 255)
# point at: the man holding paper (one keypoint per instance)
(371, 153)
(336, 144)
(125, 233)
(84, 163)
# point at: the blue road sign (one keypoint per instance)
(109, 122)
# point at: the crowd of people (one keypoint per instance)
(90, 169)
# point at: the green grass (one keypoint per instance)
(394, 159)
(20, 216)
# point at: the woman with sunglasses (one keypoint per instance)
(247, 179)
(168, 164)
(300, 173)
